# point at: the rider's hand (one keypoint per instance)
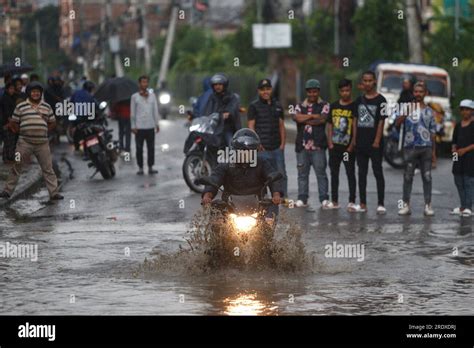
(261, 148)
(226, 115)
(276, 198)
(376, 145)
(157, 129)
(330, 145)
(134, 130)
(350, 148)
(206, 198)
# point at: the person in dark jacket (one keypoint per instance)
(265, 116)
(244, 179)
(201, 102)
(7, 106)
(225, 102)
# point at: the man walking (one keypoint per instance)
(144, 120)
(369, 141)
(265, 117)
(342, 129)
(32, 119)
(418, 148)
(311, 144)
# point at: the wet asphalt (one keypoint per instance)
(90, 245)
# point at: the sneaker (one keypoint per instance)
(4, 194)
(456, 211)
(333, 205)
(140, 171)
(300, 204)
(466, 213)
(352, 208)
(428, 210)
(405, 210)
(325, 204)
(360, 209)
(57, 197)
(381, 210)
(152, 171)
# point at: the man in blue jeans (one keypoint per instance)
(265, 117)
(311, 144)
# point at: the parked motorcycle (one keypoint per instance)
(97, 143)
(393, 141)
(200, 148)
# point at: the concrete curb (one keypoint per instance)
(31, 180)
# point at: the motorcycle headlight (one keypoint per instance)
(165, 98)
(244, 223)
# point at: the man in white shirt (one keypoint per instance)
(144, 120)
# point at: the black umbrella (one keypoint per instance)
(12, 69)
(116, 89)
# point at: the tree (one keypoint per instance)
(380, 34)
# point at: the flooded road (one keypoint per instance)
(91, 245)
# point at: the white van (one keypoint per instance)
(389, 83)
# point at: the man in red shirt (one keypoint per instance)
(121, 110)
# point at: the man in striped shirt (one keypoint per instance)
(32, 119)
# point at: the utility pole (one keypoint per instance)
(168, 46)
(146, 48)
(38, 48)
(414, 32)
(336, 28)
(457, 10)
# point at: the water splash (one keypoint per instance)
(213, 244)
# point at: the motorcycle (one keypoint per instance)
(164, 103)
(98, 145)
(242, 222)
(200, 148)
(393, 148)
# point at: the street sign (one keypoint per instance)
(275, 35)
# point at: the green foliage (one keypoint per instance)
(379, 32)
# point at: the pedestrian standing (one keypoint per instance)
(342, 130)
(144, 122)
(371, 113)
(121, 111)
(311, 143)
(32, 119)
(265, 116)
(7, 106)
(419, 148)
(463, 158)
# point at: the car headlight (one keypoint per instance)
(244, 223)
(165, 98)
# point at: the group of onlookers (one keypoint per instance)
(352, 132)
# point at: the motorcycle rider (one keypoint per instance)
(243, 179)
(225, 102)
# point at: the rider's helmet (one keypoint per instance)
(34, 85)
(245, 139)
(220, 78)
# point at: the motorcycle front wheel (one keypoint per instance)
(194, 168)
(392, 155)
